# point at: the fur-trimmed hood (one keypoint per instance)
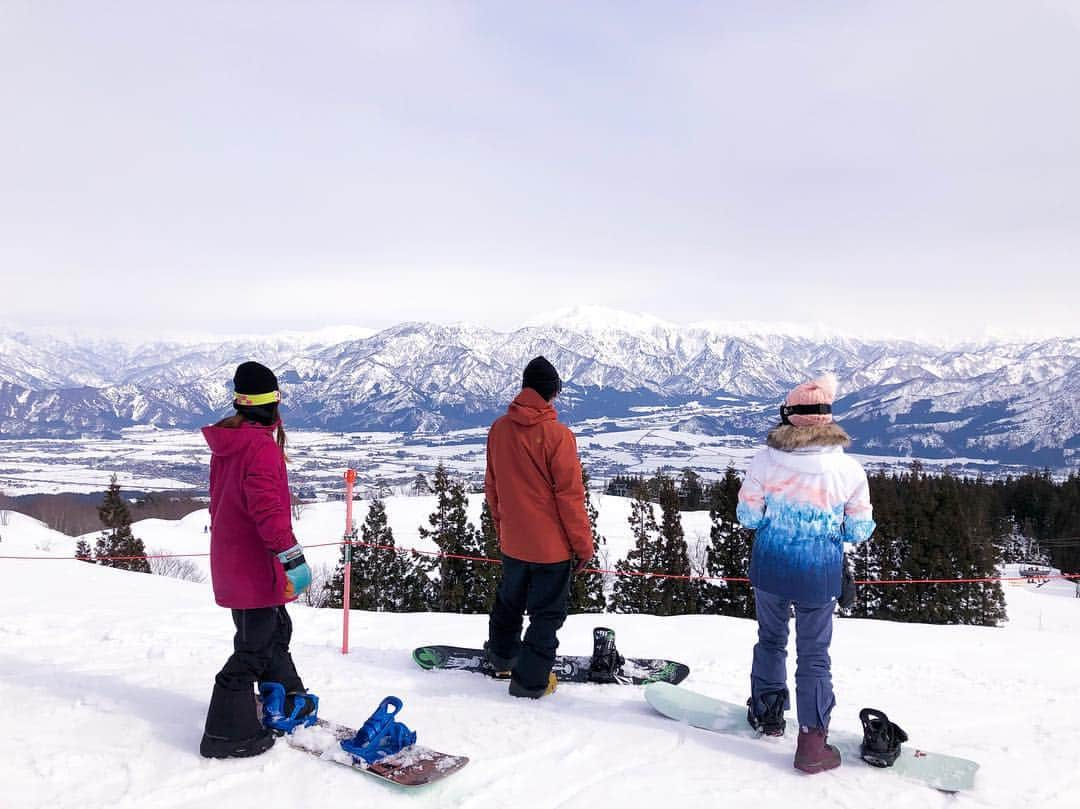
(788, 437)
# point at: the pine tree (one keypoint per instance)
(692, 491)
(374, 573)
(677, 596)
(728, 555)
(418, 592)
(117, 546)
(485, 575)
(635, 593)
(83, 552)
(587, 589)
(454, 536)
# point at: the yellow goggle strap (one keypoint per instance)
(256, 399)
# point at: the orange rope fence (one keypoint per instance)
(592, 570)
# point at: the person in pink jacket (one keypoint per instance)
(257, 566)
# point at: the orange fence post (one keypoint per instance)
(350, 537)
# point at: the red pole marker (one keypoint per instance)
(350, 536)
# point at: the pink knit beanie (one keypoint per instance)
(813, 395)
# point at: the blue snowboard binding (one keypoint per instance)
(282, 718)
(381, 735)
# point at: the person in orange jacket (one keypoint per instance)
(537, 500)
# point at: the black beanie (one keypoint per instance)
(541, 376)
(255, 379)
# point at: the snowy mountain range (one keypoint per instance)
(1013, 401)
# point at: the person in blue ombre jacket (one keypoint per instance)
(805, 498)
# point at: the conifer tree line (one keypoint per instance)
(943, 526)
(935, 526)
(660, 547)
(383, 578)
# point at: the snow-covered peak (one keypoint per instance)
(590, 319)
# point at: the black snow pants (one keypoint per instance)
(260, 651)
(542, 590)
(260, 654)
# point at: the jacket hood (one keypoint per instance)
(789, 438)
(531, 408)
(225, 440)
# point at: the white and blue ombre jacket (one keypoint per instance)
(805, 498)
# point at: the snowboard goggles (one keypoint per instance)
(804, 410)
(256, 399)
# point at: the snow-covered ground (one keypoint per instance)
(106, 677)
(321, 526)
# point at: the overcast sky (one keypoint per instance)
(236, 167)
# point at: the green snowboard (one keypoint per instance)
(946, 773)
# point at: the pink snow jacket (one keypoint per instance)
(250, 518)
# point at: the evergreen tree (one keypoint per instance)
(692, 491)
(678, 596)
(635, 593)
(587, 589)
(83, 552)
(118, 547)
(452, 533)
(418, 591)
(485, 578)
(728, 554)
(377, 572)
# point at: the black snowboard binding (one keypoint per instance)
(606, 661)
(771, 722)
(881, 738)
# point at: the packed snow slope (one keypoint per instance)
(106, 675)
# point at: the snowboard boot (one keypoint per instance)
(814, 753)
(233, 729)
(518, 690)
(881, 738)
(771, 721)
(502, 665)
(606, 661)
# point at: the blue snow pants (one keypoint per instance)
(813, 633)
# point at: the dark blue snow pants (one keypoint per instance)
(542, 590)
(813, 634)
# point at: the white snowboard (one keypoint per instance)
(946, 773)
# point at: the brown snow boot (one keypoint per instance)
(518, 690)
(814, 753)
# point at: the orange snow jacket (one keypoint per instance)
(533, 484)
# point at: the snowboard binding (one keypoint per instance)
(283, 713)
(771, 722)
(606, 661)
(881, 738)
(381, 735)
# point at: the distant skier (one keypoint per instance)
(805, 498)
(256, 564)
(537, 500)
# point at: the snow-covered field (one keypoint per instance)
(321, 526)
(152, 459)
(106, 677)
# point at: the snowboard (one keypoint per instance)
(567, 668)
(415, 766)
(942, 772)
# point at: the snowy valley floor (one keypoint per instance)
(106, 675)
